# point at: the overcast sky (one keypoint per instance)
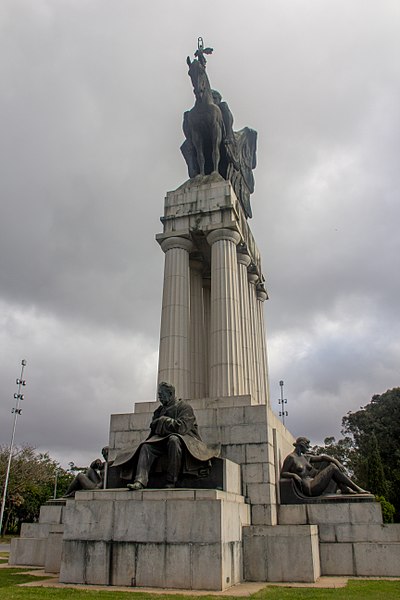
(91, 103)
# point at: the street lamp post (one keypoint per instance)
(15, 411)
(282, 413)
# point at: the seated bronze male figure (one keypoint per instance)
(173, 435)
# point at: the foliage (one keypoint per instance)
(376, 481)
(370, 448)
(388, 510)
(380, 420)
(343, 450)
(31, 483)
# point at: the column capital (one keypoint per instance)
(223, 234)
(252, 274)
(243, 258)
(261, 292)
(176, 242)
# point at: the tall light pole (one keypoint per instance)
(282, 413)
(15, 411)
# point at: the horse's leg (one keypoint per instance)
(216, 152)
(198, 144)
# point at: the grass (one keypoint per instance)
(355, 590)
(6, 539)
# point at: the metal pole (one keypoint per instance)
(16, 411)
(282, 401)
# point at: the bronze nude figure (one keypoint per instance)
(298, 466)
(92, 479)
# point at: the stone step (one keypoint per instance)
(365, 532)
(360, 559)
(281, 553)
(330, 513)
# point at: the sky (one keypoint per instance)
(91, 103)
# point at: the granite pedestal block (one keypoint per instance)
(352, 538)
(39, 543)
(188, 539)
(281, 553)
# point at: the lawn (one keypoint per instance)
(360, 589)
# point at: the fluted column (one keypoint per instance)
(244, 261)
(207, 328)
(175, 316)
(226, 368)
(197, 333)
(253, 279)
(264, 386)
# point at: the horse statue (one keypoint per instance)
(203, 125)
(211, 145)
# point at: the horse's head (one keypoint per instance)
(201, 85)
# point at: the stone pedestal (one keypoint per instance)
(352, 538)
(281, 553)
(184, 539)
(39, 543)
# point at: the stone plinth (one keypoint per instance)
(188, 539)
(352, 538)
(39, 543)
(281, 553)
(250, 435)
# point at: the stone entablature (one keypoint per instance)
(202, 205)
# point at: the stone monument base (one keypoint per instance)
(352, 538)
(183, 539)
(40, 543)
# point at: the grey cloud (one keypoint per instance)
(91, 112)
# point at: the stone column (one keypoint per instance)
(253, 279)
(226, 368)
(264, 386)
(244, 261)
(207, 327)
(197, 333)
(173, 364)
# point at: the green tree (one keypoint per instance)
(380, 419)
(376, 481)
(343, 450)
(31, 483)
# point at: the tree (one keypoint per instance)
(370, 450)
(380, 420)
(343, 450)
(376, 481)
(31, 483)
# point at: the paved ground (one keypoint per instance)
(5, 547)
(242, 589)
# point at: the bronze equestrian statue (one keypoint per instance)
(211, 145)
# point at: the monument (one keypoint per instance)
(228, 523)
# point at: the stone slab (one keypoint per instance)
(52, 513)
(28, 551)
(337, 559)
(366, 532)
(35, 530)
(52, 560)
(331, 513)
(376, 559)
(281, 553)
